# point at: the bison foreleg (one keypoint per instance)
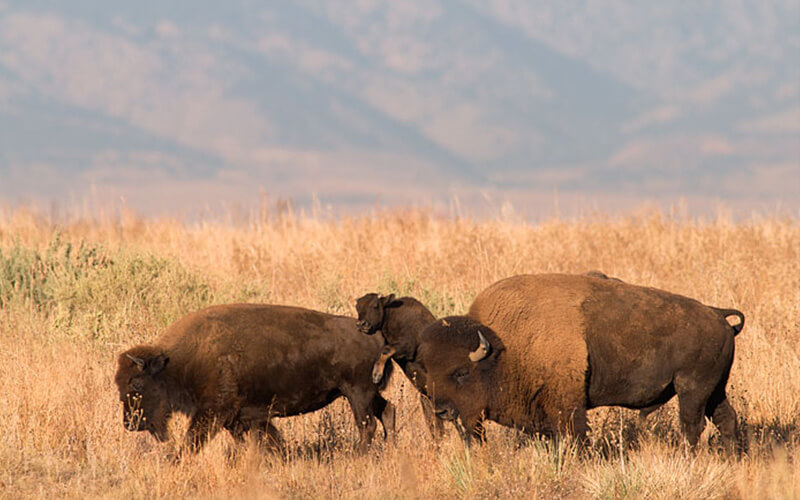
(575, 424)
(434, 423)
(204, 426)
(380, 364)
(477, 432)
(470, 430)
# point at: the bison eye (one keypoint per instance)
(460, 375)
(136, 384)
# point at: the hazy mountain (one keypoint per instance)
(180, 104)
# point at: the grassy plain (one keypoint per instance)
(75, 293)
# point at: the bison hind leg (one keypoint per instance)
(692, 400)
(362, 403)
(723, 416)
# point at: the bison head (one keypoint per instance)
(371, 310)
(143, 391)
(460, 356)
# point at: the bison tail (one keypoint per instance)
(733, 312)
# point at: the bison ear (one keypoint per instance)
(390, 301)
(156, 364)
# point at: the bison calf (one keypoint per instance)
(400, 322)
(537, 351)
(237, 366)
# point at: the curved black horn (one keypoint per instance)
(483, 349)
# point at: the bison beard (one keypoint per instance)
(237, 366)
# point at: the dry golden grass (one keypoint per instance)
(64, 315)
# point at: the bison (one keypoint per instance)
(537, 351)
(400, 322)
(237, 366)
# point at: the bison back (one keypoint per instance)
(293, 359)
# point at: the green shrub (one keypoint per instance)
(28, 276)
(139, 292)
(89, 293)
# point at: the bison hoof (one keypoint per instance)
(377, 375)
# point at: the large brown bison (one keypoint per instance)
(237, 366)
(400, 322)
(537, 351)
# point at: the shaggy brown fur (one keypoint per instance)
(570, 343)
(237, 366)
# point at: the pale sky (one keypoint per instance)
(192, 105)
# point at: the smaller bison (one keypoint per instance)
(400, 322)
(537, 351)
(237, 366)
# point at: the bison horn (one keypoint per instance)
(139, 361)
(482, 350)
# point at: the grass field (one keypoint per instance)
(74, 294)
